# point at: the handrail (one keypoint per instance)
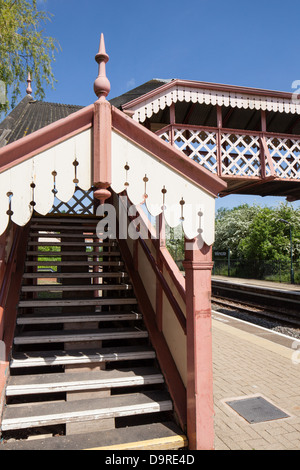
(227, 130)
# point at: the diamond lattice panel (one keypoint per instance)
(285, 154)
(198, 145)
(240, 155)
(82, 202)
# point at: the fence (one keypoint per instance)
(277, 271)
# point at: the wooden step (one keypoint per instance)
(74, 263)
(49, 317)
(154, 436)
(62, 226)
(66, 219)
(64, 336)
(63, 288)
(88, 236)
(46, 254)
(27, 416)
(82, 381)
(77, 302)
(45, 274)
(53, 243)
(75, 357)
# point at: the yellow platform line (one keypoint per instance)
(163, 443)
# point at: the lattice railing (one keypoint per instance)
(237, 153)
(285, 155)
(199, 145)
(82, 202)
(240, 155)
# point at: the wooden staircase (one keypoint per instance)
(83, 373)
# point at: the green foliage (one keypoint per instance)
(254, 232)
(24, 47)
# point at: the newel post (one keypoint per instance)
(200, 413)
(102, 130)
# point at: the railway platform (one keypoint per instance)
(256, 387)
(259, 283)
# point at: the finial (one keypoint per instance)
(102, 84)
(28, 89)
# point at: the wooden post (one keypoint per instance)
(102, 130)
(219, 147)
(200, 415)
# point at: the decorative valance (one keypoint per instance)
(33, 183)
(153, 104)
(163, 189)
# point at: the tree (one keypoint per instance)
(232, 226)
(24, 47)
(254, 232)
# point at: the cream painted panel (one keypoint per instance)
(175, 338)
(4, 201)
(64, 158)
(39, 170)
(83, 153)
(44, 165)
(148, 276)
(197, 211)
(21, 178)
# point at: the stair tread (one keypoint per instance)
(66, 219)
(73, 263)
(55, 275)
(29, 337)
(76, 302)
(38, 243)
(50, 234)
(77, 287)
(38, 226)
(82, 356)
(44, 383)
(21, 417)
(49, 317)
(46, 254)
(167, 436)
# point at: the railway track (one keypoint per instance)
(278, 305)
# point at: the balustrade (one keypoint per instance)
(237, 153)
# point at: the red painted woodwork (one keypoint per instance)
(200, 411)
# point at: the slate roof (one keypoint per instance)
(119, 101)
(29, 116)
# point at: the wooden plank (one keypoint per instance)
(35, 415)
(79, 381)
(87, 236)
(74, 263)
(61, 227)
(76, 302)
(64, 253)
(153, 436)
(87, 244)
(64, 336)
(37, 319)
(44, 274)
(63, 288)
(66, 219)
(70, 357)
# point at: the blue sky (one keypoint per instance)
(234, 42)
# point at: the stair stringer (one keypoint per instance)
(10, 287)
